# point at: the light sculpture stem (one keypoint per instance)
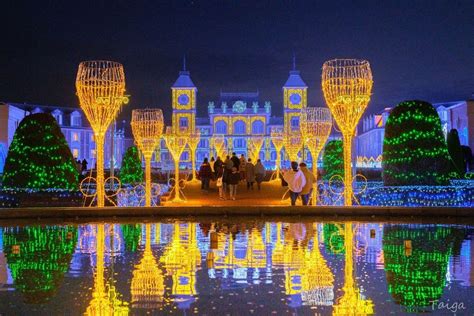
(176, 185)
(193, 163)
(147, 181)
(347, 143)
(100, 189)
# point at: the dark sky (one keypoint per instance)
(417, 48)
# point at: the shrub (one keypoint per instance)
(131, 171)
(333, 159)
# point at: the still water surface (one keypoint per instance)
(237, 268)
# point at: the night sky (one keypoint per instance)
(417, 49)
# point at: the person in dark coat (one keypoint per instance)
(84, 165)
(235, 160)
(217, 165)
(205, 174)
(233, 181)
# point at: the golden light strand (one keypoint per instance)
(218, 141)
(147, 128)
(255, 144)
(100, 87)
(347, 86)
(176, 144)
(193, 142)
(277, 134)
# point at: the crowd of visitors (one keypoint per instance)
(300, 182)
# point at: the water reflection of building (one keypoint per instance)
(462, 268)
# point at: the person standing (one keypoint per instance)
(205, 175)
(211, 163)
(259, 173)
(217, 165)
(296, 181)
(250, 174)
(308, 187)
(233, 180)
(220, 182)
(242, 167)
(84, 165)
(236, 161)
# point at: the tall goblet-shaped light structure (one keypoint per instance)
(100, 87)
(316, 124)
(255, 144)
(277, 134)
(218, 141)
(176, 144)
(347, 86)
(147, 128)
(193, 142)
(293, 141)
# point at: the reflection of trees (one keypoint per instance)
(105, 300)
(38, 258)
(333, 238)
(352, 302)
(131, 236)
(417, 276)
(148, 285)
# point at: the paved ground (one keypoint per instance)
(270, 194)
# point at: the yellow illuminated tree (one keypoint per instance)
(147, 127)
(100, 87)
(193, 142)
(293, 141)
(277, 135)
(347, 86)
(218, 141)
(315, 126)
(176, 144)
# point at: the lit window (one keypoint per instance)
(221, 127)
(75, 119)
(295, 122)
(75, 152)
(75, 137)
(257, 127)
(183, 122)
(239, 127)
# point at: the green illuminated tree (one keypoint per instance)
(131, 171)
(333, 159)
(456, 152)
(417, 276)
(131, 236)
(38, 258)
(39, 157)
(414, 149)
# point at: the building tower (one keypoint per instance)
(294, 99)
(183, 97)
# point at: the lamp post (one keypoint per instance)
(100, 87)
(277, 135)
(147, 128)
(176, 144)
(316, 123)
(347, 86)
(193, 142)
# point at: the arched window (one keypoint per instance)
(239, 127)
(221, 127)
(295, 122)
(58, 115)
(76, 119)
(257, 127)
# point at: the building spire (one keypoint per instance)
(184, 62)
(294, 61)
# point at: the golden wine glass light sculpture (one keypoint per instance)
(218, 141)
(147, 128)
(193, 142)
(293, 141)
(316, 124)
(277, 135)
(255, 144)
(100, 87)
(176, 144)
(347, 86)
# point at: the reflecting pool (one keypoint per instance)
(238, 267)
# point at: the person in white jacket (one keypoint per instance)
(296, 181)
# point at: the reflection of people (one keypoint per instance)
(308, 187)
(296, 181)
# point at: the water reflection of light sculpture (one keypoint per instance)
(193, 142)
(176, 144)
(315, 126)
(147, 127)
(181, 259)
(148, 286)
(276, 135)
(100, 87)
(104, 301)
(347, 86)
(352, 302)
